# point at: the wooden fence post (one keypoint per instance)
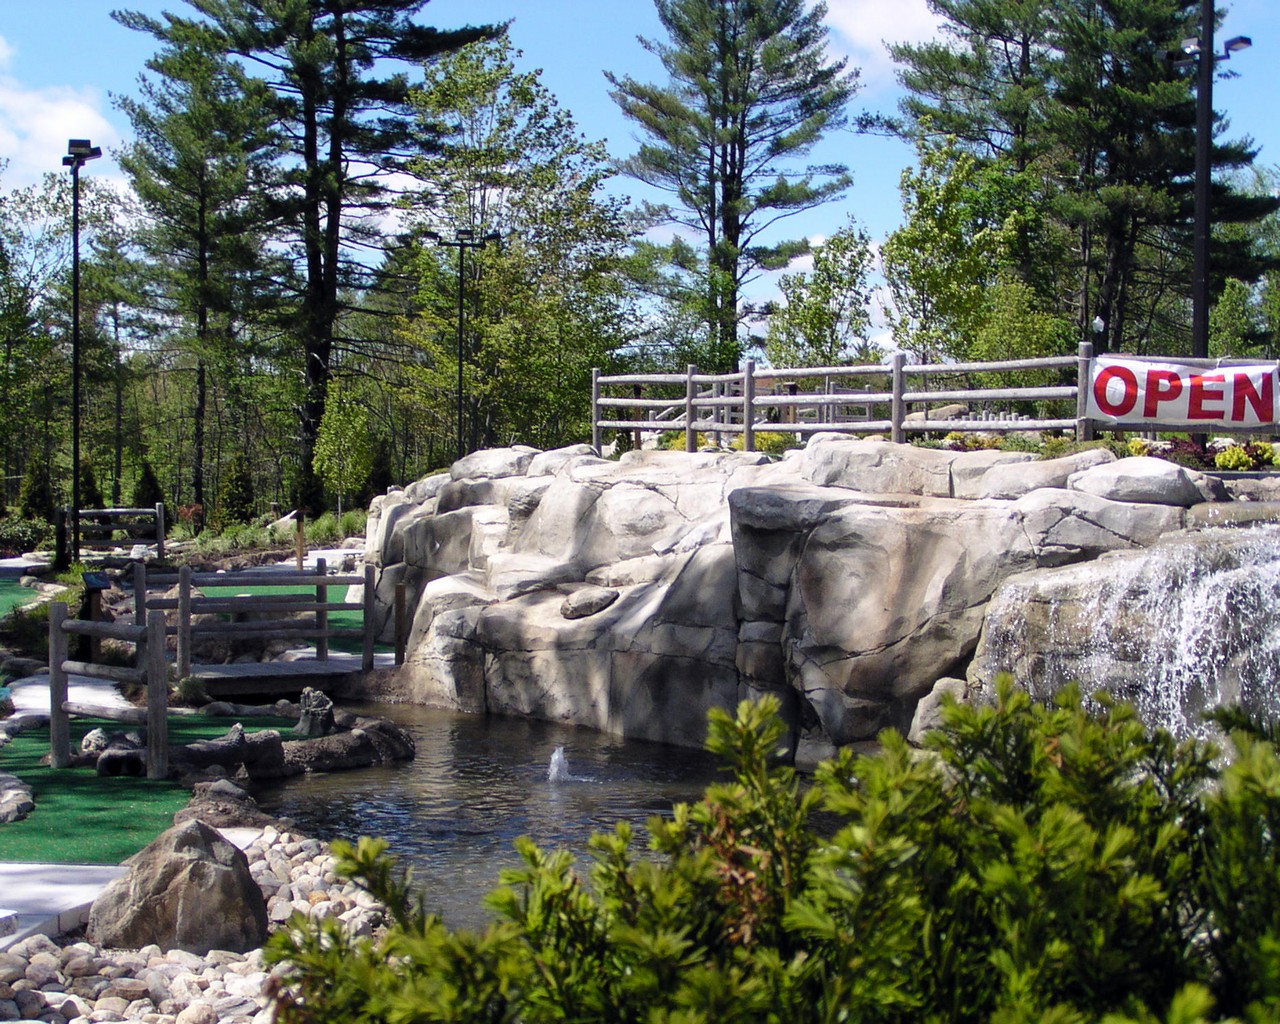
(1084, 366)
(157, 681)
(596, 438)
(139, 593)
(300, 538)
(402, 621)
(59, 722)
(322, 613)
(749, 407)
(690, 393)
(161, 527)
(637, 439)
(899, 407)
(370, 592)
(184, 622)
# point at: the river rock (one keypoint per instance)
(188, 889)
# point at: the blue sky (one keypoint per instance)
(61, 60)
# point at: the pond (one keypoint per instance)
(476, 784)
(12, 594)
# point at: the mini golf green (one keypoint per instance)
(80, 818)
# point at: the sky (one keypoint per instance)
(62, 61)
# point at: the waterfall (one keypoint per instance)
(1188, 624)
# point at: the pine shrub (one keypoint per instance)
(1034, 863)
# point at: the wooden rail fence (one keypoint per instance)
(99, 526)
(258, 615)
(149, 670)
(756, 399)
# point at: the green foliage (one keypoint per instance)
(751, 88)
(19, 535)
(826, 318)
(36, 499)
(546, 303)
(324, 531)
(1037, 863)
(90, 492)
(344, 451)
(147, 492)
(352, 522)
(236, 498)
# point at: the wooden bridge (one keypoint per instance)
(171, 607)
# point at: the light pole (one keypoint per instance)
(464, 238)
(79, 152)
(1199, 51)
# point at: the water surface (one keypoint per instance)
(476, 784)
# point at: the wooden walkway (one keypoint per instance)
(276, 678)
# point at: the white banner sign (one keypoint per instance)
(1136, 391)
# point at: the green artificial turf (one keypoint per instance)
(80, 818)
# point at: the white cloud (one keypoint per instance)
(6, 54)
(35, 125)
(862, 27)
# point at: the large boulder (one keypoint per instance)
(1147, 480)
(1013, 481)
(878, 467)
(188, 889)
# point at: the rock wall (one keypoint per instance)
(632, 595)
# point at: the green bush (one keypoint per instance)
(352, 522)
(147, 492)
(1034, 864)
(324, 531)
(18, 535)
(36, 497)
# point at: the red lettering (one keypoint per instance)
(1202, 395)
(1156, 393)
(1128, 399)
(1263, 402)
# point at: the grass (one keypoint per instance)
(80, 818)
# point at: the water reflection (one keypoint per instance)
(477, 784)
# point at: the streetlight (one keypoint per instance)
(1199, 51)
(464, 238)
(79, 152)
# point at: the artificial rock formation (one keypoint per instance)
(632, 595)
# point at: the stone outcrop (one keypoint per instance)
(188, 889)
(632, 595)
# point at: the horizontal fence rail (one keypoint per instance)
(98, 527)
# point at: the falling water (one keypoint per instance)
(1191, 623)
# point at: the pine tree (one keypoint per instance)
(343, 130)
(750, 87)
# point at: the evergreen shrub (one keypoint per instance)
(1057, 864)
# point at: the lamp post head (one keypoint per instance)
(1237, 43)
(464, 233)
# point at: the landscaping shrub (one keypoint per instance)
(352, 522)
(19, 535)
(1034, 864)
(146, 489)
(324, 531)
(36, 497)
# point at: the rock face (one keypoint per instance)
(631, 596)
(1175, 629)
(188, 889)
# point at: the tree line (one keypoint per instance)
(266, 317)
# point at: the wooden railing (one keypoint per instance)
(99, 526)
(272, 616)
(756, 399)
(149, 670)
